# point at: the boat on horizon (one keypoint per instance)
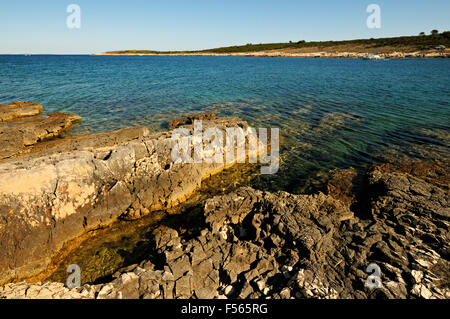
(375, 57)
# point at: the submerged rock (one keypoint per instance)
(190, 119)
(340, 185)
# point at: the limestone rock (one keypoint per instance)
(333, 247)
(16, 110)
(58, 193)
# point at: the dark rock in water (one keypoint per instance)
(412, 213)
(190, 119)
(251, 264)
(340, 185)
(107, 141)
(16, 110)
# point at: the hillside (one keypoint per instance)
(423, 43)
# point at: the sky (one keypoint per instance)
(39, 27)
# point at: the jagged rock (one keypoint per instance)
(417, 275)
(128, 285)
(15, 137)
(45, 291)
(165, 237)
(285, 293)
(180, 267)
(205, 275)
(183, 287)
(261, 285)
(206, 293)
(246, 291)
(229, 291)
(102, 144)
(333, 247)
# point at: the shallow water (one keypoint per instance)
(332, 113)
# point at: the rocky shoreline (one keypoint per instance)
(255, 244)
(62, 189)
(282, 246)
(281, 54)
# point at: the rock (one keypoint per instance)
(127, 285)
(180, 267)
(107, 292)
(58, 193)
(101, 144)
(190, 119)
(168, 276)
(285, 293)
(229, 291)
(205, 275)
(206, 293)
(261, 285)
(396, 289)
(340, 185)
(422, 291)
(246, 291)
(16, 137)
(154, 295)
(183, 287)
(165, 237)
(17, 110)
(334, 246)
(417, 275)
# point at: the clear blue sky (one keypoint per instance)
(30, 26)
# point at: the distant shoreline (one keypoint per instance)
(423, 46)
(280, 54)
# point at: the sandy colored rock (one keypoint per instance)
(16, 110)
(59, 193)
(15, 137)
(190, 119)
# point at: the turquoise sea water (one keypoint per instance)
(332, 113)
